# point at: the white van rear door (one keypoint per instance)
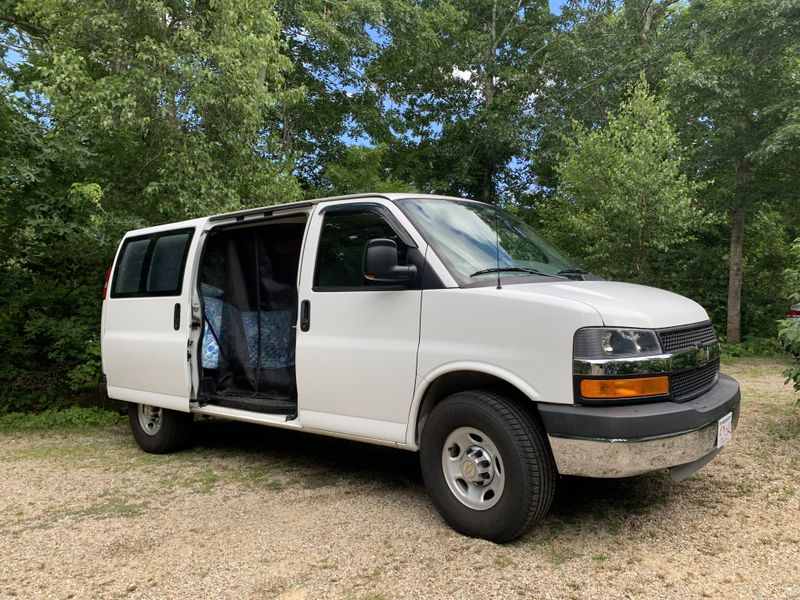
(147, 319)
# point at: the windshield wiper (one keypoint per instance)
(512, 269)
(578, 274)
(573, 271)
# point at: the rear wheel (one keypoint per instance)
(487, 465)
(159, 430)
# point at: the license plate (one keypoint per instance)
(724, 430)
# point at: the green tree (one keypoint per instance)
(789, 329)
(597, 49)
(170, 98)
(733, 84)
(459, 81)
(54, 245)
(329, 45)
(624, 207)
(359, 169)
(116, 115)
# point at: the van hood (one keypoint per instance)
(624, 304)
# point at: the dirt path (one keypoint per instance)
(257, 513)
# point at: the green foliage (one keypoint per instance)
(171, 98)
(789, 329)
(766, 291)
(624, 204)
(732, 81)
(75, 417)
(55, 237)
(359, 170)
(459, 81)
(114, 116)
(732, 84)
(753, 346)
(597, 51)
(329, 45)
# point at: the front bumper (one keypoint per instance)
(622, 441)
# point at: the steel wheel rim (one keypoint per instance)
(149, 418)
(473, 468)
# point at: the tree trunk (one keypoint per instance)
(733, 329)
(734, 334)
(487, 184)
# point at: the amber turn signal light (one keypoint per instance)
(625, 388)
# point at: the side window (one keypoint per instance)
(129, 268)
(341, 248)
(151, 265)
(166, 266)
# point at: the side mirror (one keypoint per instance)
(380, 263)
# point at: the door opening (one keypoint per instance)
(248, 286)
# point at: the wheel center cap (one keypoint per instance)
(476, 466)
(468, 469)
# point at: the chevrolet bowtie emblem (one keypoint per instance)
(703, 354)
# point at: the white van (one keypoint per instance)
(421, 322)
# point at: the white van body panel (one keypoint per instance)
(625, 304)
(144, 357)
(514, 333)
(356, 365)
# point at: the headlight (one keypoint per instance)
(601, 342)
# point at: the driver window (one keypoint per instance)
(341, 248)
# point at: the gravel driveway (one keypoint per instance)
(252, 512)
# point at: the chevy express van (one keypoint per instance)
(434, 324)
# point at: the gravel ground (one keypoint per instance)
(252, 512)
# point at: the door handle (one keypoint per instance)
(305, 315)
(176, 316)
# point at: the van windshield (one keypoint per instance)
(469, 236)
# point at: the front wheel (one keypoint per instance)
(159, 430)
(487, 465)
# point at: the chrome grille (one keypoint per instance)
(686, 385)
(686, 337)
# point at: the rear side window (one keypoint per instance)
(129, 269)
(152, 265)
(166, 266)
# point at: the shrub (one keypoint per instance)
(76, 417)
(789, 329)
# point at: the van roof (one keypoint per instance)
(272, 208)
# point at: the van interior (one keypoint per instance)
(248, 285)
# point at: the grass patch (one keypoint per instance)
(204, 481)
(76, 417)
(109, 508)
(255, 478)
(787, 427)
(64, 450)
(559, 555)
(503, 562)
(325, 564)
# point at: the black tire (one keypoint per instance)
(172, 433)
(524, 455)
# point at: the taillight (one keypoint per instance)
(105, 285)
(793, 312)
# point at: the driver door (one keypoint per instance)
(357, 339)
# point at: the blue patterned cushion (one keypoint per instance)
(276, 349)
(210, 347)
